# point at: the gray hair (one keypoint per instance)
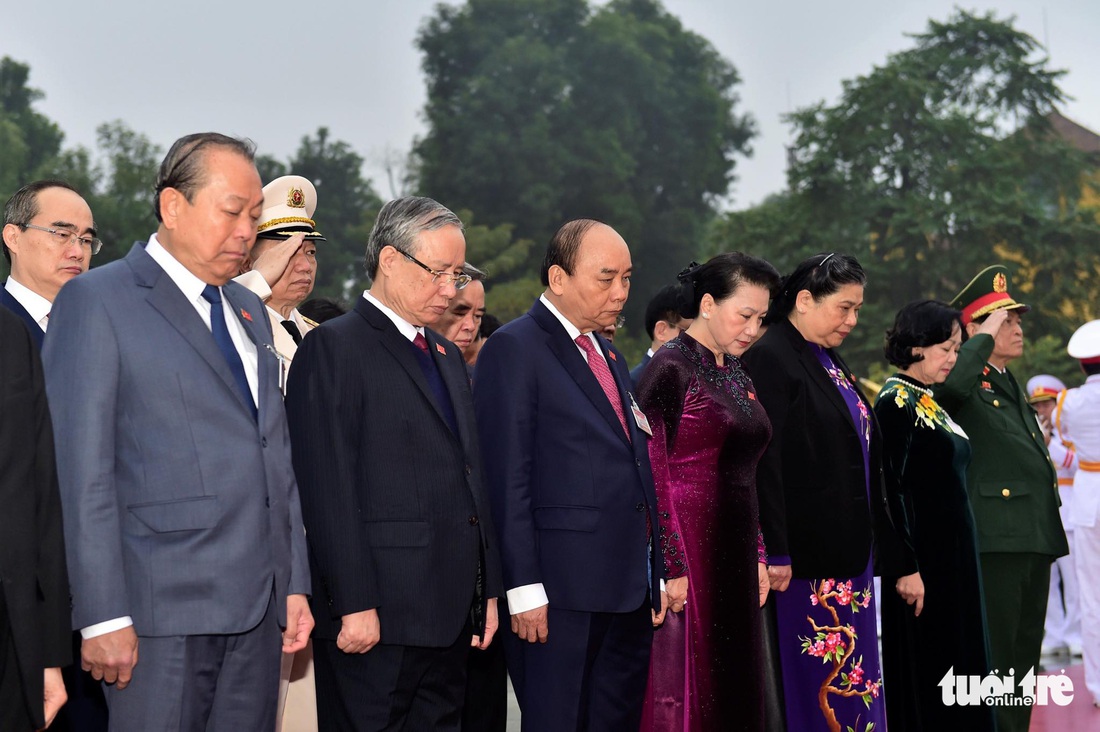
(399, 224)
(184, 167)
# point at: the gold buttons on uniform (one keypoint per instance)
(1006, 492)
(996, 402)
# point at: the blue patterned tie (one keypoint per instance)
(221, 336)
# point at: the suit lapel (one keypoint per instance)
(571, 359)
(825, 383)
(9, 301)
(454, 378)
(167, 299)
(268, 361)
(401, 349)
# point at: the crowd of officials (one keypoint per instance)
(229, 507)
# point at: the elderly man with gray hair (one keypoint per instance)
(386, 454)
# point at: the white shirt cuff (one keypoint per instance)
(107, 626)
(255, 281)
(662, 585)
(526, 597)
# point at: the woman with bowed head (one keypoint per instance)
(822, 505)
(709, 429)
(925, 456)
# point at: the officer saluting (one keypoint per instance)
(1078, 419)
(1012, 483)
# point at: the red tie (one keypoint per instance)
(421, 342)
(603, 375)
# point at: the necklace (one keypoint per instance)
(910, 385)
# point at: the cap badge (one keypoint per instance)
(1000, 283)
(295, 198)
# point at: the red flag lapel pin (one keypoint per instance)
(245, 314)
(613, 356)
(439, 347)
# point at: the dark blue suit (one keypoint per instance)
(570, 493)
(14, 305)
(636, 372)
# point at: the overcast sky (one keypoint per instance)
(278, 70)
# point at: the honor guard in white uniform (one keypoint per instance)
(1078, 420)
(1062, 631)
(281, 271)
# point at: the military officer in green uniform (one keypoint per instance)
(1012, 483)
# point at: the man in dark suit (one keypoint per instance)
(182, 523)
(663, 322)
(1012, 483)
(34, 586)
(569, 477)
(49, 238)
(405, 564)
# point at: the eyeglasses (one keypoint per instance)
(440, 277)
(66, 238)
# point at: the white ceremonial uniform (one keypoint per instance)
(1078, 419)
(1063, 621)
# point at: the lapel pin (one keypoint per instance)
(439, 347)
(612, 355)
(245, 315)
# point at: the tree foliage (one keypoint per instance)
(540, 111)
(931, 167)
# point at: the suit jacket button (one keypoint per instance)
(267, 502)
(996, 402)
(640, 507)
(263, 442)
(638, 462)
(1006, 492)
(469, 470)
(473, 521)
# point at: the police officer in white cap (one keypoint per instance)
(282, 270)
(1062, 635)
(283, 266)
(1078, 419)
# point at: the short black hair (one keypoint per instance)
(665, 305)
(821, 275)
(184, 167)
(1091, 369)
(23, 204)
(917, 325)
(489, 325)
(563, 247)
(721, 276)
(320, 309)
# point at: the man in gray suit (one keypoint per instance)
(182, 523)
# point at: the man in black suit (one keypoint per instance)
(49, 238)
(663, 322)
(403, 553)
(34, 586)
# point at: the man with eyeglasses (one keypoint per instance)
(663, 322)
(49, 238)
(404, 560)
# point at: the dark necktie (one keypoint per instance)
(603, 375)
(292, 328)
(421, 342)
(225, 344)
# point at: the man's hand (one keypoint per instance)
(659, 617)
(531, 625)
(492, 621)
(273, 260)
(764, 581)
(54, 696)
(993, 322)
(111, 657)
(677, 590)
(911, 589)
(779, 576)
(359, 632)
(299, 624)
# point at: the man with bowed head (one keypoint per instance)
(183, 530)
(406, 571)
(566, 456)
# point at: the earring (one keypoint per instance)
(706, 316)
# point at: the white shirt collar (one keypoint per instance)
(571, 329)
(649, 352)
(36, 306)
(189, 284)
(406, 328)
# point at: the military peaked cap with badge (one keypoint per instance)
(289, 203)
(1044, 387)
(987, 292)
(1084, 345)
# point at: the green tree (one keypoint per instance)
(28, 139)
(541, 111)
(931, 167)
(511, 287)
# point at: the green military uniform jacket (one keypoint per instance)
(1012, 483)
